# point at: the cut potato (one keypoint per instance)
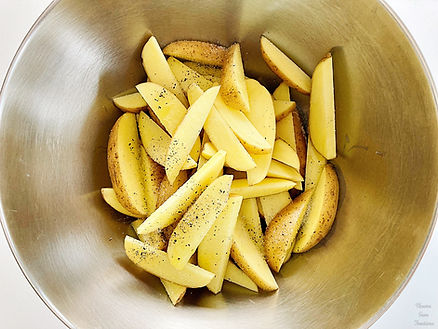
(197, 221)
(154, 239)
(156, 141)
(249, 258)
(233, 91)
(249, 215)
(157, 263)
(284, 153)
(262, 116)
(169, 110)
(322, 109)
(283, 108)
(110, 197)
(321, 211)
(282, 92)
(315, 164)
(284, 67)
(273, 204)
(158, 71)
(280, 170)
(285, 130)
(154, 117)
(186, 76)
(207, 71)
(175, 291)
(282, 230)
(214, 250)
(259, 206)
(248, 135)
(237, 276)
(209, 150)
(204, 141)
(153, 174)
(130, 103)
(197, 51)
(166, 189)
(175, 207)
(267, 186)
(195, 153)
(188, 131)
(300, 140)
(124, 165)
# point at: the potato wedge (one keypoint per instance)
(110, 197)
(280, 170)
(300, 140)
(273, 204)
(267, 186)
(175, 291)
(249, 258)
(283, 108)
(124, 165)
(166, 189)
(237, 276)
(244, 130)
(153, 174)
(282, 92)
(284, 153)
(282, 230)
(214, 250)
(202, 160)
(209, 150)
(195, 153)
(133, 103)
(154, 239)
(315, 164)
(197, 221)
(322, 109)
(156, 141)
(187, 132)
(186, 76)
(262, 116)
(157, 263)
(233, 90)
(197, 51)
(285, 130)
(249, 215)
(209, 72)
(321, 211)
(175, 207)
(284, 67)
(169, 110)
(260, 208)
(158, 71)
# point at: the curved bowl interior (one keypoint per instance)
(56, 114)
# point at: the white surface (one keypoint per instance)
(417, 306)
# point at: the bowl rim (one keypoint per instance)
(382, 309)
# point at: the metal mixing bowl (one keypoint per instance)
(56, 113)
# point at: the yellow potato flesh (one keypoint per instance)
(166, 189)
(284, 153)
(195, 153)
(197, 51)
(283, 108)
(130, 103)
(110, 197)
(280, 170)
(314, 165)
(154, 239)
(249, 215)
(186, 76)
(273, 204)
(322, 109)
(282, 92)
(214, 250)
(206, 70)
(285, 131)
(152, 176)
(237, 276)
(197, 221)
(267, 186)
(209, 150)
(175, 291)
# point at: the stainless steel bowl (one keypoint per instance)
(56, 114)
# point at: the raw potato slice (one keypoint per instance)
(197, 221)
(244, 130)
(197, 51)
(236, 275)
(284, 153)
(211, 73)
(282, 230)
(315, 164)
(157, 263)
(158, 71)
(262, 116)
(284, 67)
(166, 189)
(124, 165)
(130, 103)
(214, 250)
(322, 109)
(249, 215)
(153, 174)
(156, 141)
(186, 76)
(267, 186)
(154, 239)
(273, 204)
(209, 150)
(285, 130)
(110, 197)
(249, 258)
(233, 89)
(175, 207)
(321, 211)
(282, 92)
(175, 291)
(195, 153)
(169, 110)
(283, 108)
(188, 131)
(300, 140)
(259, 206)
(280, 170)
(205, 140)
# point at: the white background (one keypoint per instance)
(417, 306)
